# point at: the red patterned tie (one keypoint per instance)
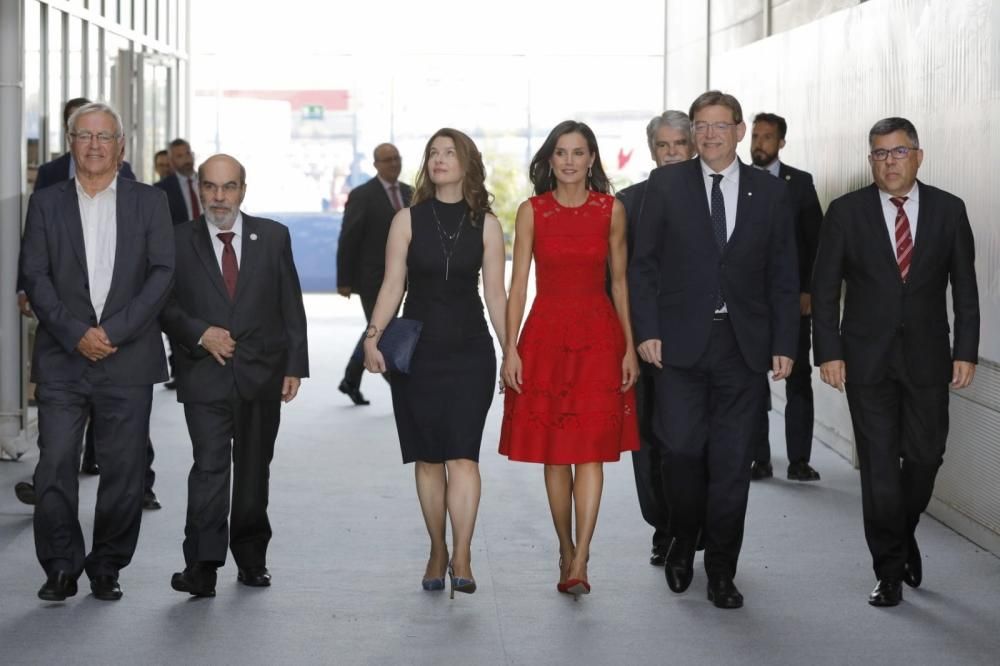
(904, 239)
(230, 269)
(195, 208)
(396, 203)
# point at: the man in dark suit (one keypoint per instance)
(51, 173)
(714, 293)
(97, 260)
(670, 142)
(361, 249)
(182, 185)
(896, 243)
(63, 167)
(767, 139)
(237, 316)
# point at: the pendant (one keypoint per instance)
(447, 266)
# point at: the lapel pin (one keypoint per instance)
(253, 236)
(749, 194)
(788, 176)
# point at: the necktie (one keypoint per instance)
(718, 224)
(394, 196)
(195, 208)
(230, 269)
(904, 239)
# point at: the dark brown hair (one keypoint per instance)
(540, 170)
(474, 191)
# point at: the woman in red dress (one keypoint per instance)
(571, 372)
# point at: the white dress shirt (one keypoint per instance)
(730, 186)
(186, 191)
(99, 216)
(219, 246)
(388, 187)
(889, 210)
(774, 168)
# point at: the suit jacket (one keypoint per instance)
(677, 268)
(631, 198)
(266, 318)
(178, 207)
(53, 262)
(57, 171)
(808, 218)
(363, 235)
(855, 248)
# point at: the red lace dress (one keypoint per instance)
(571, 409)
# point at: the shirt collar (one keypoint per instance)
(386, 185)
(774, 168)
(236, 229)
(729, 173)
(913, 195)
(113, 187)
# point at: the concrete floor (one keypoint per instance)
(349, 549)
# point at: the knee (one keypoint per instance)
(462, 466)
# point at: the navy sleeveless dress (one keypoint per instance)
(440, 406)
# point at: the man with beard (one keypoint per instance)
(161, 165)
(237, 317)
(670, 142)
(182, 186)
(767, 139)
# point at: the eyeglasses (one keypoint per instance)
(702, 127)
(389, 159)
(87, 137)
(899, 153)
(212, 188)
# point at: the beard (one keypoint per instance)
(761, 158)
(223, 221)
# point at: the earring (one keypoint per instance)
(590, 171)
(550, 171)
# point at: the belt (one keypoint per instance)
(720, 316)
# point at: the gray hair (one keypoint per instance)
(678, 120)
(96, 107)
(894, 124)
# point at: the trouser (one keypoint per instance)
(90, 455)
(647, 462)
(355, 369)
(799, 412)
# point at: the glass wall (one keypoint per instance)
(127, 53)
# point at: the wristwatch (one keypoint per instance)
(371, 331)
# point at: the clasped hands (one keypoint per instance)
(95, 345)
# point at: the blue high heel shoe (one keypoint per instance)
(433, 584)
(466, 585)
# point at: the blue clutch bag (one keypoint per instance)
(398, 341)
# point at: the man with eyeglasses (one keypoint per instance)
(767, 140)
(896, 243)
(182, 185)
(237, 317)
(361, 249)
(715, 304)
(670, 141)
(97, 261)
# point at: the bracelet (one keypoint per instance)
(371, 331)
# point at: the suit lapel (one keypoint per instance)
(744, 203)
(407, 194)
(696, 182)
(249, 255)
(925, 223)
(74, 223)
(876, 223)
(124, 219)
(206, 253)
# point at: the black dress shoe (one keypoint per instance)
(802, 471)
(723, 593)
(658, 557)
(887, 592)
(90, 467)
(254, 577)
(149, 501)
(760, 470)
(197, 580)
(25, 492)
(171, 385)
(353, 392)
(678, 568)
(913, 570)
(58, 586)
(106, 588)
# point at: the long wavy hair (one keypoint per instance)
(477, 197)
(540, 171)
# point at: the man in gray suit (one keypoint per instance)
(97, 261)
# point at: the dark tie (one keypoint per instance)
(904, 239)
(394, 196)
(230, 269)
(195, 208)
(718, 223)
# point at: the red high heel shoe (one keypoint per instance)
(577, 586)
